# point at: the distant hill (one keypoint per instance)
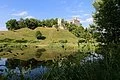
(51, 34)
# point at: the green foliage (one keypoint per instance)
(49, 22)
(38, 35)
(31, 23)
(107, 19)
(22, 23)
(108, 25)
(81, 40)
(71, 68)
(87, 35)
(93, 31)
(78, 31)
(12, 24)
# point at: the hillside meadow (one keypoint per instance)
(23, 44)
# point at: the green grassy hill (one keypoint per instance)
(51, 34)
(52, 45)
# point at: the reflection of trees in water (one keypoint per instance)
(13, 63)
(31, 63)
(18, 69)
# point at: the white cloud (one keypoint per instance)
(23, 13)
(76, 16)
(29, 17)
(88, 20)
(77, 11)
(86, 15)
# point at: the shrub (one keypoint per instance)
(39, 35)
(81, 40)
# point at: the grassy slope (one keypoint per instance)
(18, 34)
(51, 34)
(51, 43)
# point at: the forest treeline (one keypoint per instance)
(31, 23)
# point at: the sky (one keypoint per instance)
(46, 9)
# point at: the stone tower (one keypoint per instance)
(60, 23)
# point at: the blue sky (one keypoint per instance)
(45, 9)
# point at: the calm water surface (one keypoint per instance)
(30, 69)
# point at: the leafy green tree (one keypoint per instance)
(87, 35)
(40, 23)
(93, 31)
(43, 23)
(78, 31)
(22, 23)
(12, 24)
(47, 22)
(33, 23)
(107, 19)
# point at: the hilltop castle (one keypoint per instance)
(75, 21)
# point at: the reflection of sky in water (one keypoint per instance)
(3, 68)
(3, 61)
(32, 74)
(35, 73)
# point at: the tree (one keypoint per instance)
(107, 19)
(12, 24)
(38, 35)
(78, 31)
(31, 23)
(22, 23)
(92, 29)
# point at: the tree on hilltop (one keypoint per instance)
(12, 24)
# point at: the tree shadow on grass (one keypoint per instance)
(41, 38)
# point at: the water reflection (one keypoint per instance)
(3, 68)
(14, 68)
